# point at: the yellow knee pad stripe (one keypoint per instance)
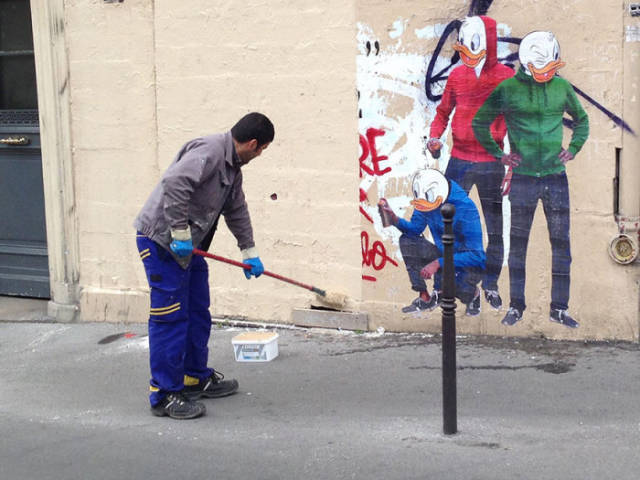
(165, 310)
(158, 314)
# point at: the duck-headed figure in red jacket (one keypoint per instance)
(470, 164)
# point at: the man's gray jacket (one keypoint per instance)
(203, 181)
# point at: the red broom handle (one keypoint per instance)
(202, 253)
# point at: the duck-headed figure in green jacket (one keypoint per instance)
(533, 103)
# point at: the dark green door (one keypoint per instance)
(24, 269)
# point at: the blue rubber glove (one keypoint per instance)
(181, 243)
(182, 248)
(257, 268)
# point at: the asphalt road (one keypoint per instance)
(332, 405)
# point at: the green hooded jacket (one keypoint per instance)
(533, 112)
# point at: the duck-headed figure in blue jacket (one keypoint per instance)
(423, 258)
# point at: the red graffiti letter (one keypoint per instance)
(378, 252)
(363, 156)
(368, 146)
(372, 133)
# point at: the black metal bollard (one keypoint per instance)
(449, 392)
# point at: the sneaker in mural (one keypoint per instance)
(563, 317)
(512, 317)
(473, 307)
(419, 305)
(493, 298)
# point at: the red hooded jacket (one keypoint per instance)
(466, 93)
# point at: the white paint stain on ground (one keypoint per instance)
(132, 344)
(47, 335)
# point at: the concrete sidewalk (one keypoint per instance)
(333, 405)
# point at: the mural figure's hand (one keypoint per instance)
(387, 214)
(505, 187)
(430, 269)
(434, 145)
(565, 156)
(511, 159)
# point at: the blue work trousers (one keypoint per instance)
(553, 191)
(179, 318)
(487, 177)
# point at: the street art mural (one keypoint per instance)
(469, 116)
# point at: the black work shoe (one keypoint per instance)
(563, 317)
(213, 387)
(419, 305)
(177, 406)
(512, 317)
(493, 298)
(473, 307)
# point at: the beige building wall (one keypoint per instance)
(146, 76)
(149, 76)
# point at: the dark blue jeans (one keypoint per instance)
(417, 252)
(179, 319)
(487, 177)
(553, 191)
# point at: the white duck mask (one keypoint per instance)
(472, 43)
(430, 190)
(539, 55)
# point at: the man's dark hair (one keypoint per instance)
(253, 125)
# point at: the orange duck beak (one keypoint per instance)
(546, 73)
(426, 206)
(468, 58)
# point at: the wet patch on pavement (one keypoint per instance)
(459, 442)
(116, 336)
(551, 367)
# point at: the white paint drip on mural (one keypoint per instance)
(504, 50)
(398, 28)
(430, 31)
(380, 78)
(393, 75)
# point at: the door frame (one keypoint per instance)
(52, 79)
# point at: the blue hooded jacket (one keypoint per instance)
(467, 246)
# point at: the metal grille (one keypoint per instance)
(19, 117)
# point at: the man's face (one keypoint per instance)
(249, 150)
